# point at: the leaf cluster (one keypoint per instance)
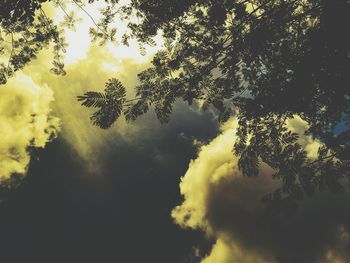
(265, 60)
(109, 103)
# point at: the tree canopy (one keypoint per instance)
(263, 61)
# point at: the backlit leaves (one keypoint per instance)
(134, 110)
(110, 103)
(93, 99)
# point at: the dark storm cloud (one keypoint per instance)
(307, 236)
(65, 213)
(102, 196)
(228, 207)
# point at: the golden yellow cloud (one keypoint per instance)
(215, 174)
(226, 251)
(311, 145)
(25, 121)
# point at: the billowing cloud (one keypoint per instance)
(25, 121)
(88, 67)
(89, 74)
(228, 208)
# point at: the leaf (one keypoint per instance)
(106, 115)
(249, 162)
(93, 99)
(115, 89)
(110, 103)
(135, 110)
(143, 51)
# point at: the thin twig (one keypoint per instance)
(64, 10)
(324, 158)
(11, 54)
(92, 19)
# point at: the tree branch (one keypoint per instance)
(92, 19)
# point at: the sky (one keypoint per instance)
(145, 191)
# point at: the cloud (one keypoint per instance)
(88, 66)
(227, 251)
(89, 74)
(228, 208)
(26, 121)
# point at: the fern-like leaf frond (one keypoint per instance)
(93, 99)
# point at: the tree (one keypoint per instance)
(263, 60)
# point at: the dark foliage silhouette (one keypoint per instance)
(264, 61)
(110, 103)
